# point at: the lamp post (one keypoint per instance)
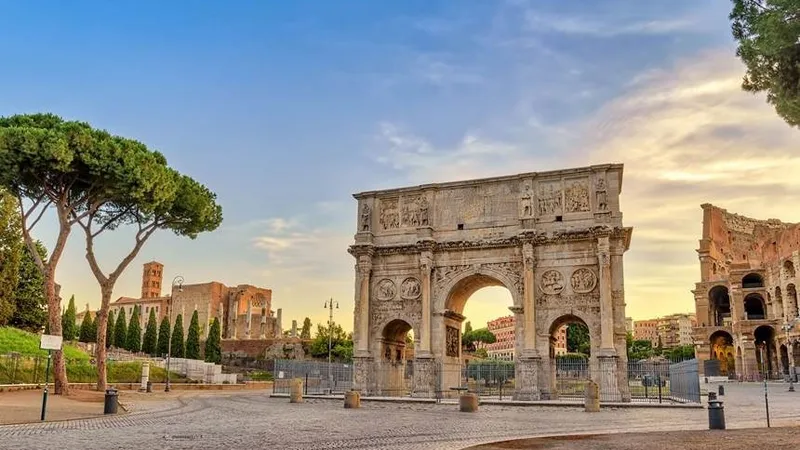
(786, 328)
(329, 306)
(179, 281)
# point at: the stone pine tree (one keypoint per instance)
(120, 330)
(178, 347)
(69, 329)
(162, 348)
(11, 254)
(150, 341)
(100, 182)
(768, 34)
(193, 338)
(109, 330)
(213, 352)
(86, 328)
(305, 332)
(135, 332)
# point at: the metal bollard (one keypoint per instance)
(716, 415)
(149, 386)
(110, 406)
(721, 390)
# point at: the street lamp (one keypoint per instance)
(179, 281)
(787, 326)
(329, 306)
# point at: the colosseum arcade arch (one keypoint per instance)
(555, 240)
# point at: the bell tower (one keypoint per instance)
(151, 279)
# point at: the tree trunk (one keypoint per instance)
(102, 324)
(52, 292)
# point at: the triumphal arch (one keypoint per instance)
(554, 239)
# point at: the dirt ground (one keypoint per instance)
(771, 438)
(26, 406)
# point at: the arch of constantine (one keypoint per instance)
(554, 239)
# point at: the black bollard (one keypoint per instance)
(110, 404)
(716, 414)
(721, 390)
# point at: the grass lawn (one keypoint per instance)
(30, 366)
(27, 344)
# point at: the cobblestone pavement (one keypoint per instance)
(253, 418)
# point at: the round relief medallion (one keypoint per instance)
(385, 290)
(583, 280)
(410, 289)
(552, 282)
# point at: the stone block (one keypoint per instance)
(296, 390)
(352, 400)
(592, 399)
(468, 402)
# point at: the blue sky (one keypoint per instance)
(287, 108)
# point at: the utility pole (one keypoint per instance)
(329, 306)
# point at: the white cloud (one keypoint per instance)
(687, 135)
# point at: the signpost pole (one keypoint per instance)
(48, 342)
(46, 379)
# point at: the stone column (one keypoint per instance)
(790, 354)
(234, 314)
(528, 366)
(364, 268)
(249, 319)
(528, 302)
(606, 301)
(263, 333)
(293, 333)
(425, 263)
(279, 323)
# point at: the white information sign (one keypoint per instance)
(50, 342)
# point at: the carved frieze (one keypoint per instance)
(410, 289)
(577, 196)
(552, 282)
(441, 275)
(410, 216)
(390, 214)
(582, 302)
(601, 194)
(451, 341)
(385, 290)
(549, 199)
(583, 280)
(512, 271)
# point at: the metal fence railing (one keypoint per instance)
(654, 381)
(318, 377)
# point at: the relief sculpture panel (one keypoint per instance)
(410, 289)
(577, 196)
(552, 282)
(451, 341)
(549, 199)
(583, 280)
(385, 290)
(390, 215)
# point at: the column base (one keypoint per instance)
(424, 377)
(608, 379)
(527, 379)
(363, 375)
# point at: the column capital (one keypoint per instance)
(426, 261)
(528, 256)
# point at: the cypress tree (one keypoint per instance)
(163, 337)
(178, 348)
(120, 330)
(135, 332)
(69, 329)
(193, 338)
(93, 330)
(149, 343)
(109, 329)
(213, 351)
(86, 328)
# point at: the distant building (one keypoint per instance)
(79, 316)
(244, 311)
(503, 330)
(674, 330)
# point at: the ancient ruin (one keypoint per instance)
(554, 239)
(746, 300)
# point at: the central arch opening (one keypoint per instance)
(483, 361)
